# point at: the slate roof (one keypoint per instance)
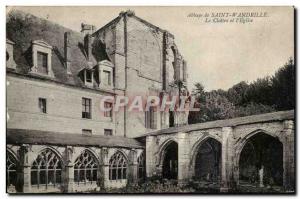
(268, 117)
(23, 28)
(24, 136)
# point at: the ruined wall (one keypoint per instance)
(111, 39)
(143, 56)
(144, 74)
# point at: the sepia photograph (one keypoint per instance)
(150, 100)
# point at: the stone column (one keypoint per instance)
(25, 170)
(104, 168)
(150, 156)
(69, 170)
(133, 167)
(288, 156)
(183, 157)
(227, 178)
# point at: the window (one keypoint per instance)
(42, 62)
(141, 166)
(46, 169)
(41, 58)
(150, 118)
(11, 170)
(108, 132)
(106, 77)
(88, 76)
(117, 167)
(43, 105)
(106, 106)
(86, 132)
(85, 168)
(86, 108)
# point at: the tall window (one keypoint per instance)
(150, 119)
(46, 169)
(108, 113)
(43, 105)
(86, 108)
(11, 170)
(117, 167)
(85, 168)
(42, 62)
(141, 166)
(106, 77)
(88, 76)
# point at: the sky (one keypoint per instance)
(218, 54)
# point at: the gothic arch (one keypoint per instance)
(12, 164)
(47, 169)
(197, 145)
(91, 151)
(240, 145)
(161, 150)
(118, 166)
(15, 156)
(206, 157)
(45, 148)
(86, 167)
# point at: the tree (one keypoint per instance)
(264, 95)
(283, 87)
(236, 94)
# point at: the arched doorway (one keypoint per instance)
(208, 161)
(261, 161)
(170, 161)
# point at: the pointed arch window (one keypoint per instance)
(11, 170)
(117, 167)
(85, 168)
(141, 166)
(46, 169)
(151, 118)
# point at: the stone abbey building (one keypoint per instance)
(58, 139)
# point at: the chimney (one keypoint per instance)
(88, 46)
(67, 51)
(87, 29)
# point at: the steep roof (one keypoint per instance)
(24, 136)
(23, 28)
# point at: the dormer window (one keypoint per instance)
(41, 55)
(106, 78)
(42, 62)
(105, 69)
(88, 76)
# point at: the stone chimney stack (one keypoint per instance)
(87, 29)
(88, 46)
(67, 51)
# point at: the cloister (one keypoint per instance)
(255, 150)
(226, 154)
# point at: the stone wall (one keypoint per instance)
(64, 107)
(232, 140)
